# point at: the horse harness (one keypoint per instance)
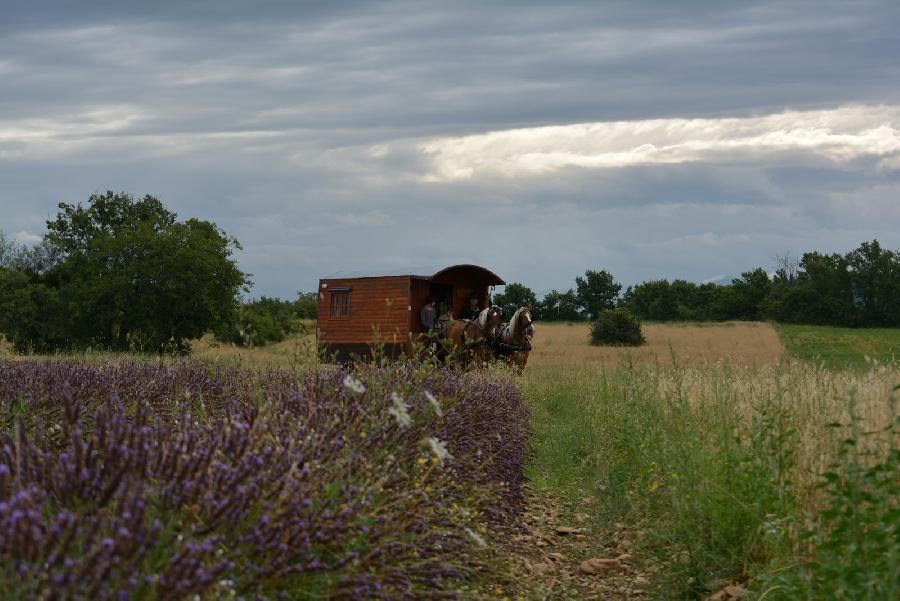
(484, 341)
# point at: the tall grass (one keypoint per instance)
(723, 466)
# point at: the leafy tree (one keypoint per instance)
(307, 304)
(36, 259)
(260, 322)
(597, 291)
(651, 300)
(875, 277)
(559, 306)
(32, 317)
(134, 276)
(743, 298)
(826, 291)
(515, 295)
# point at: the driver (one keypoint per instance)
(471, 310)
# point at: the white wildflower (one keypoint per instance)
(437, 447)
(434, 403)
(400, 410)
(476, 538)
(353, 384)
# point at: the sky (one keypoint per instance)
(689, 140)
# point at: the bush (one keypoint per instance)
(263, 321)
(174, 481)
(617, 327)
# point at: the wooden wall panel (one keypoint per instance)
(381, 303)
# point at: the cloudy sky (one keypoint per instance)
(671, 139)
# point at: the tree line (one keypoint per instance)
(858, 289)
(121, 273)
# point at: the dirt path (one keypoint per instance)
(561, 552)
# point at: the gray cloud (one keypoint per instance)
(298, 128)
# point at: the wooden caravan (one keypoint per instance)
(357, 312)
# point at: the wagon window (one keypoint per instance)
(340, 304)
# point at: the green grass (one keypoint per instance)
(719, 464)
(840, 348)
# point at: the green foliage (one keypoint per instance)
(875, 273)
(597, 291)
(856, 289)
(36, 259)
(742, 299)
(630, 438)
(123, 274)
(706, 461)
(31, 313)
(855, 538)
(616, 327)
(821, 293)
(264, 321)
(559, 306)
(515, 295)
(307, 304)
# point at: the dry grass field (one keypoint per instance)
(747, 343)
(296, 351)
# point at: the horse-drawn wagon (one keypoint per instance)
(359, 311)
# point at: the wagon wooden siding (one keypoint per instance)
(375, 303)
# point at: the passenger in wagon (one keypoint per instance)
(471, 310)
(428, 318)
(428, 315)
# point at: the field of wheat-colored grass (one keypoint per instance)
(746, 343)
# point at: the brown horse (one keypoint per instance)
(474, 340)
(515, 338)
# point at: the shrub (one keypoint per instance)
(617, 327)
(132, 480)
(261, 322)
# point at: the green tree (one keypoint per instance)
(515, 295)
(261, 321)
(307, 304)
(597, 291)
(651, 300)
(32, 317)
(559, 306)
(744, 297)
(875, 277)
(134, 276)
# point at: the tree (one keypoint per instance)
(875, 277)
(36, 259)
(746, 295)
(651, 300)
(307, 304)
(132, 275)
(559, 306)
(515, 295)
(32, 317)
(597, 291)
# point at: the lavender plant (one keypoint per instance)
(138, 480)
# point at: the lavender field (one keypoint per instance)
(173, 480)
